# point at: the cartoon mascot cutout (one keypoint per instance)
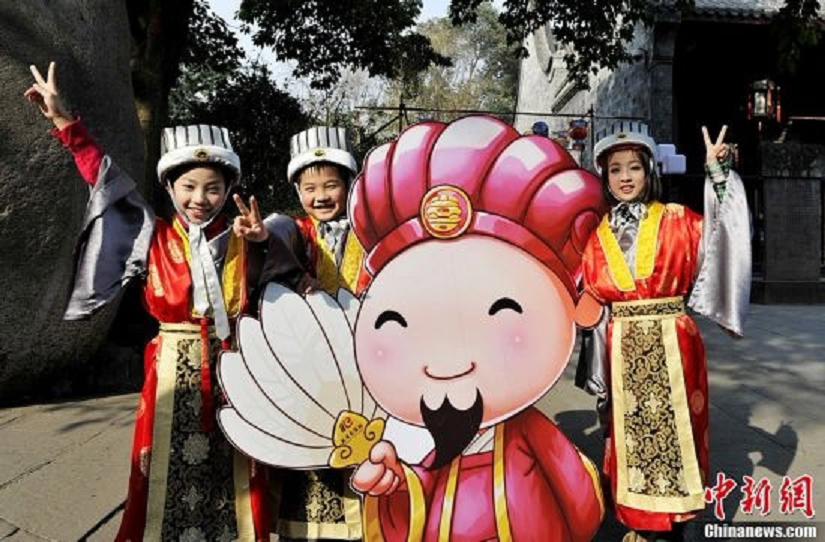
(473, 237)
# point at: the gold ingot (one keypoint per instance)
(353, 437)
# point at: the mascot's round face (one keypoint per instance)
(460, 320)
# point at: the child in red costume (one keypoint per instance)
(645, 263)
(321, 169)
(318, 504)
(186, 481)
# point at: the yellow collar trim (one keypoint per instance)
(499, 493)
(645, 249)
(616, 264)
(648, 238)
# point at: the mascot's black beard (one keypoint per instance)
(452, 429)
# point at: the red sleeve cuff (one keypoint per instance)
(87, 153)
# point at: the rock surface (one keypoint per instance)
(42, 198)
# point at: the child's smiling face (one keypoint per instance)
(199, 193)
(323, 192)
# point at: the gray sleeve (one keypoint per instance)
(114, 241)
(281, 258)
(591, 372)
(722, 288)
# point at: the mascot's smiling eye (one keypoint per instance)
(504, 303)
(389, 316)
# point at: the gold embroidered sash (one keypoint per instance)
(657, 466)
(178, 369)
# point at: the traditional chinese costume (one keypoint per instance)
(643, 263)
(319, 504)
(186, 483)
(520, 480)
(335, 255)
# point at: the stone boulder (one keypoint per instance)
(42, 198)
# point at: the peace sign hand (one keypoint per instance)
(46, 95)
(249, 223)
(715, 151)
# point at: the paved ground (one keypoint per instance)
(64, 467)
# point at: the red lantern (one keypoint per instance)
(578, 130)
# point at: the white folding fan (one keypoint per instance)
(295, 397)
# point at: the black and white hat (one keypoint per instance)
(199, 143)
(320, 144)
(620, 134)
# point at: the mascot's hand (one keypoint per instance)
(382, 474)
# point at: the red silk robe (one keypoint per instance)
(657, 454)
(320, 504)
(533, 486)
(349, 274)
(186, 480)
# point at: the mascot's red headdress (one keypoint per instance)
(476, 175)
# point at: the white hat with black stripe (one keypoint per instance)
(624, 134)
(320, 144)
(196, 144)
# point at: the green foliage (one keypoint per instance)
(219, 86)
(325, 37)
(593, 33)
(483, 74)
(797, 27)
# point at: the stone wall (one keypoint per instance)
(792, 176)
(642, 88)
(42, 198)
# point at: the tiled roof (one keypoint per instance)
(747, 9)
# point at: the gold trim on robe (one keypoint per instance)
(418, 511)
(657, 467)
(234, 276)
(445, 524)
(597, 481)
(646, 245)
(162, 430)
(243, 497)
(500, 488)
(333, 276)
(617, 267)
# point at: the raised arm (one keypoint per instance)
(722, 288)
(69, 130)
(117, 228)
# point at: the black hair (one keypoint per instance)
(653, 186)
(345, 174)
(229, 174)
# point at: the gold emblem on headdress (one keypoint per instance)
(201, 154)
(354, 436)
(446, 211)
(320, 152)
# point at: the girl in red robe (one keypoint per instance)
(646, 262)
(186, 483)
